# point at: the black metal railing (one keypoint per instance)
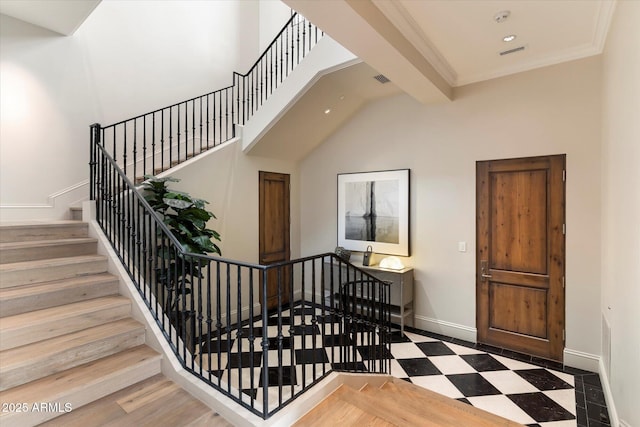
(330, 315)
(287, 50)
(151, 143)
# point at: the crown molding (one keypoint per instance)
(409, 27)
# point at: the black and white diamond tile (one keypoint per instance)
(520, 390)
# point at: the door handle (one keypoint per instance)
(484, 265)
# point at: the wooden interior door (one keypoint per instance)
(520, 254)
(274, 236)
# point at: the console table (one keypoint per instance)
(401, 292)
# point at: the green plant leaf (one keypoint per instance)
(177, 203)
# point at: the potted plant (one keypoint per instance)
(186, 217)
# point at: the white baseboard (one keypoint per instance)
(608, 397)
(581, 360)
(449, 329)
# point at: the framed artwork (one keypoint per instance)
(373, 210)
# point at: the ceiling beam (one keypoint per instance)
(363, 29)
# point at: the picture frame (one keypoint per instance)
(373, 210)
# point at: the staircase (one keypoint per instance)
(67, 338)
(396, 403)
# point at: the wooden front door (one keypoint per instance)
(521, 254)
(274, 236)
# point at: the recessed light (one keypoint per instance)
(327, 111)
(501, 16)
(509, 38)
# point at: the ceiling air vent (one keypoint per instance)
(514, 50)
(382, 79)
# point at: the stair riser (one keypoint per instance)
(56, 298)
(70, 358)
(79, 396)
(76, 214)
(34, 253)
(37, 232)
(28, 334)
(48, 273)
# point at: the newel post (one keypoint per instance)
(94, 141)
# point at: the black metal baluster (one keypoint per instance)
(179, 141)
(208, 122)
(135, 148)
(304, 39)
(216, 120)
(144, 146)
(239, 334)
(228, 327)
(195, 312)
(292, 367)
(228, 124)
(170, 140)
(153, 144)
(265, 346)
(218, 324)
(124, 149)
(193, 126)
(252, 339)
(200, 124)
(280, 336)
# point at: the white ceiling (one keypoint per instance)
(61, 16)
(463, 41)
(456, 42)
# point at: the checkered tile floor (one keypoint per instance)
(523, 392)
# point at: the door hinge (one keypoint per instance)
(563, 336)
(562, 282)
(564, 228)
(564, 175)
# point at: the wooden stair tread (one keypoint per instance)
(155, 401)
(45, 270)
(30, 327)
(41, 230)
(46, 243)
(26, 363)
(19, 251)
(52, 262)
(46, 315)
(83, 384)
(42, 223)
(47, 287)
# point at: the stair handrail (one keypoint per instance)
(147, 248)
(246, 86)
(153, 142)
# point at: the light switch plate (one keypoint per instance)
(462, 246)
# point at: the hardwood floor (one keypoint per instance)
(156, 402)
(397, 403)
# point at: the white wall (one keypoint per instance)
(621, 208)
(228, 179)
(126, 59)
(273, 15)
(553, 110)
